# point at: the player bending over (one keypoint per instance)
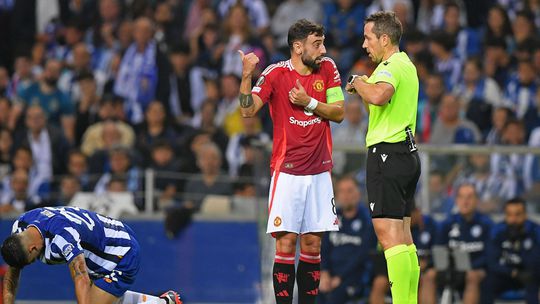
(102, 253)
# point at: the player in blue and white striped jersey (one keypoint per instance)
(102, 253)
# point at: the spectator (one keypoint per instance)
(69, 186)
(19, 200)
(154, 128)
(120, 165)
(523, 27)
(78, 168)
(476, 86)
(57, 106)
(38, 185)
(240, 148)
(498, 26)
(497, 61)
(344, 271)
(228, 116)
(287, 13)
(238, 36)
(521, 93)
(143, 74)
(68, 83)
(490, 186)
(467, 39)
(208, 125)
(343, 32)
(181, 101)
(101, 136)
(429, 107)
(511, 166)
(446, 63)
(532, 170)
(22, 78)
(514, 254)
(87, 105)
(498, 120)
(6, 152)
(450, 128)
(48, 144)
(256, 9)
(469, 231)
(198, 17)
(72, 34)
(5, 111)
(165, 166)
(211, 180)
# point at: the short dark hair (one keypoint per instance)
(302, 29)
(516, 201)
(386, 23)
(13, 252)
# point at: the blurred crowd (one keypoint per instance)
(92, 93)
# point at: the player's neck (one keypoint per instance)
(299, 66)
(390, 51)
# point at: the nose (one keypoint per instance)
(364, 45)
(323, 49)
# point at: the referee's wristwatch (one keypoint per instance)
(351, 79)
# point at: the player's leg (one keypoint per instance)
(319, 216)
(286, 205)
(283, 272)
(410, 191)
(309, 267)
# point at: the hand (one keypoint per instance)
(298, 95)
(324, 285)
(249, 62)
(350, 88)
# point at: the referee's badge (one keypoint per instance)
(277, 221)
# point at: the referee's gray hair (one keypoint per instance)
(386, 23)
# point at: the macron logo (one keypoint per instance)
(384, 156)
(304, 123)
(371, 206)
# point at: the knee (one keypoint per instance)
(429, 276)
(310, 244)
(286, 244)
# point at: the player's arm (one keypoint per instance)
(81, 280)
(11, 283)
(333, 110)
(377, 94)
(249, 104)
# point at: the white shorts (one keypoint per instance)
(301, 203)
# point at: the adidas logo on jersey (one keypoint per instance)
(283, 293)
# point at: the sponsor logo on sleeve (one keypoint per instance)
(66, 251)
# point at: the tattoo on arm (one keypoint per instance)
(78, 266)
(246, 100)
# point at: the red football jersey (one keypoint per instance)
(302, 140)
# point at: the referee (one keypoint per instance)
(393, 166)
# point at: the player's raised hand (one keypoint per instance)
(298, 95)
(249, 62)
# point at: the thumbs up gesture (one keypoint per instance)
(298, 95)
(249, 62)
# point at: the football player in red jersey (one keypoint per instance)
(304, 94)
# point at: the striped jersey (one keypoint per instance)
(70, 231)
(302, 140)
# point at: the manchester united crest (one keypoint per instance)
(318, 85)
(277, 221)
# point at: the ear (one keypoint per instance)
(298, 48)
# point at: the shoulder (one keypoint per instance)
(498, 229)
(277, 68)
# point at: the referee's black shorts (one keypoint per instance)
(392, 175)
